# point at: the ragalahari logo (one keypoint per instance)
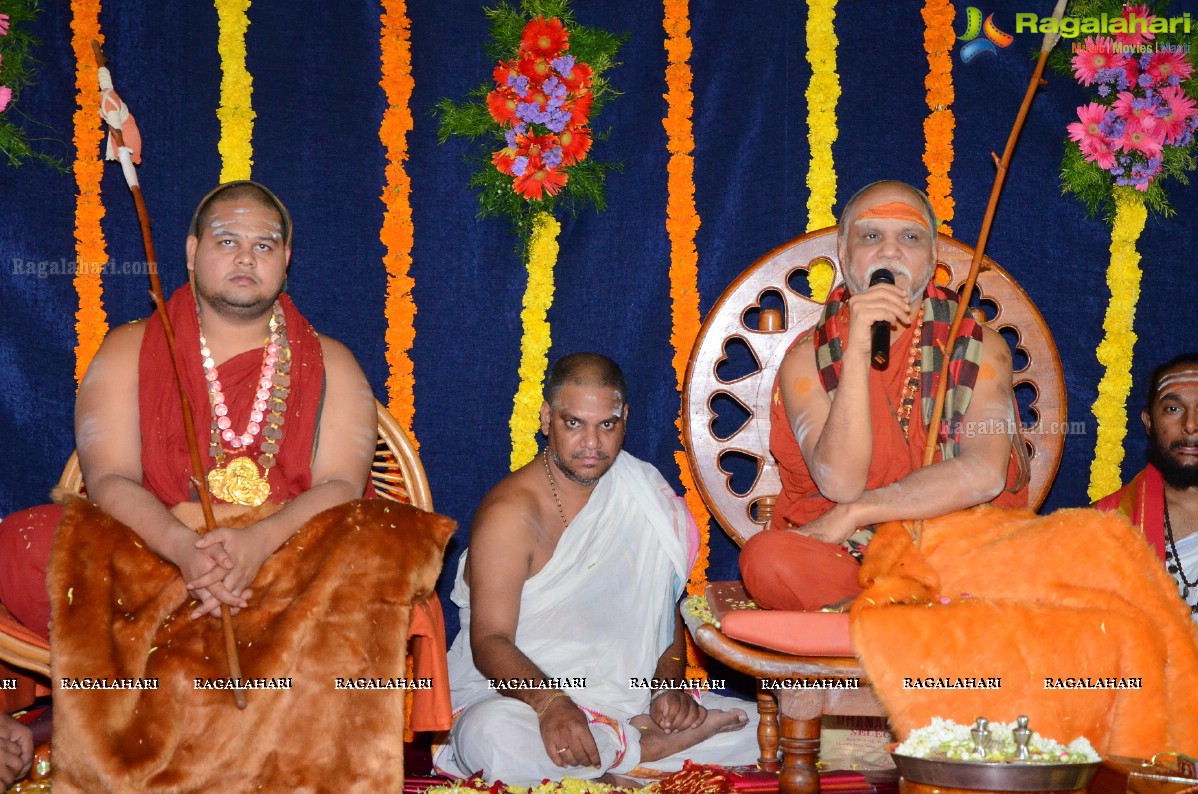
(991, 35)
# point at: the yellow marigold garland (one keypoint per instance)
(396, 232)
(823, 92)
(1115, 350)
(682, 223)
(90, 248)
(534, 343)
(236, 113)
(938, 127)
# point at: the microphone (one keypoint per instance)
(880, 333)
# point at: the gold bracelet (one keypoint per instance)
(541, 711)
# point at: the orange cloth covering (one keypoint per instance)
(1143, 502)
(1009, 595)
(333, 602)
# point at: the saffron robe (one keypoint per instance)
(784, 570)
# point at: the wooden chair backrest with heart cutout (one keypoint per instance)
(739, 327)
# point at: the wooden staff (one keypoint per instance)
(193, 441)
(1050, 40)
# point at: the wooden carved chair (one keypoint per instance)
(726, 409)
(396, 472)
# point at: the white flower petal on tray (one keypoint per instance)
(946, 739)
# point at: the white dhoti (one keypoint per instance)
(600, 613)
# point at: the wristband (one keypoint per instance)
(541, 711)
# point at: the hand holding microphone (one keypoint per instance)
(880, 332)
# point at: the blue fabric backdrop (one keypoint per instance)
(316, 71)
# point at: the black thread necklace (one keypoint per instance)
(1174, 567)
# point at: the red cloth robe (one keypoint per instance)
(1143, 502)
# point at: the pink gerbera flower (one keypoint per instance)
(1136, 109)
(1138, 138)
(1179, 110)
(3, 24)
(5, 97)
(1098, 150)
(1139, 18)
(1098, 53)
(1166, 64)
(1088, 128)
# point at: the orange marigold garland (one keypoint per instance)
(91, 251)
(396, 233)
(938, 38)
(682, 223)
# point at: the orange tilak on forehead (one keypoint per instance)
(897, 210)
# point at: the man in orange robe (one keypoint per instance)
(1162, 500)
(849, 437)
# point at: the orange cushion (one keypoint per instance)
(795, 633)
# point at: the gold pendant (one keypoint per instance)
(239, 482)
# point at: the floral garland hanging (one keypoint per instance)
(16, 72)
(1137, 132)
(1115, 350)
(938, 127)
(535, 122)
(823, 92)
(91, 321)
(236, 112)
(682, 223)
(397, 234)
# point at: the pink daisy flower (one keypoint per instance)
(1088, 128)
(1140, 33)
(5, 97)
(1098, 150)
(1166, 64)
(1180, 109)
(1136, 110)
(1097, 54)
(1138, 138)
(3, 24)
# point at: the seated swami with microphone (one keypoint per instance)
(851, 402)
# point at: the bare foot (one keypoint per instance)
(657, 744)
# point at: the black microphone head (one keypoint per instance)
(881, 276)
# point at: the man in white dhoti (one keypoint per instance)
(569, 607)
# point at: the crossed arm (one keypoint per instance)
(219, 567)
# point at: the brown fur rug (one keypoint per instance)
(333, 602)
(1009, 595)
